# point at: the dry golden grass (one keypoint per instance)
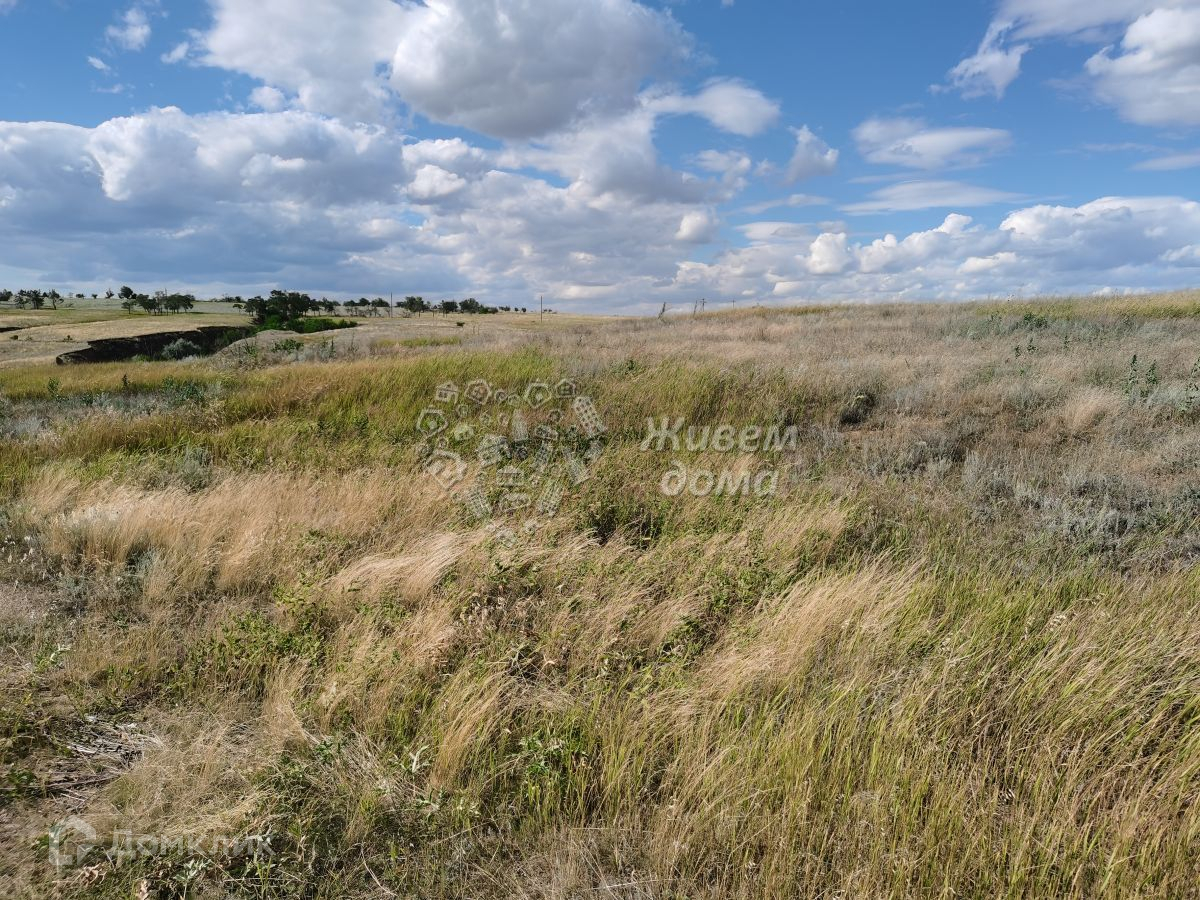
(956, 655)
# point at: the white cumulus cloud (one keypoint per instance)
(1111, 244)
(730, 105)
(1153, 78)
(696, 227)
(326, 53)
(177, 54)
(1147, 67)
(828, 255)
(993, 67)
(483, 64)
(812, 157)
(133, 30)
(487, 64)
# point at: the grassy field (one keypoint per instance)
(955, 652)
(38, 337)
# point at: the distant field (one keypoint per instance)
(875, 601)
(43, 335)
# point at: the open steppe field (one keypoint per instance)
(39, 337)
(874, 601)
(30, 338)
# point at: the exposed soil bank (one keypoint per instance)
(209, 339)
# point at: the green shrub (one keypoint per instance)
(309, 326)
(181, 349)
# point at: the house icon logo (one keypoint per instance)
(71, 840)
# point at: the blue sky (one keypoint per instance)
(649, 152)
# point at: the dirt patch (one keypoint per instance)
(264, 340)
(23, 606)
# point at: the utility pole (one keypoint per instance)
(541, 308)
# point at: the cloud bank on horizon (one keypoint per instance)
(609, 154)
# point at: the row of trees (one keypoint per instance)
(280, 305)
(32, 299)
(470, 306)
(158, 304)
(418, 305)
(288, 306)
(161, 303)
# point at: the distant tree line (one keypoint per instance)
(32, 299)
(279, 306)
(415, 306)
(288, 306)
(160, 304)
